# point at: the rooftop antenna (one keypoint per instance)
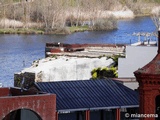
(24, 63)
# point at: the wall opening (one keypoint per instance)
(79, 115)
(157, 101)
(22, 114)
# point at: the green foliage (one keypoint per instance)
(20, 31)
(100, 73)
(94, 75)
(54, 56)
(158, 1)
(17, 0)
(123, 2)
(115, 59)
(78, 28)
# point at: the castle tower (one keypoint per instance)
(148, 78)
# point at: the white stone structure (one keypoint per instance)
(65, 68)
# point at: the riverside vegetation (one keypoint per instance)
(67, 16)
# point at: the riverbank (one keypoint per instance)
(20, 31)
(52, 17)
(66, 30)
(106, 20)
(103, 20)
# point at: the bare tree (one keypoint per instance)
(52, 14)
(156, 19)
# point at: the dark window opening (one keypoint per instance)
(157, 101)
(22, 114)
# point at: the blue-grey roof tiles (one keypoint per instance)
(88, 94)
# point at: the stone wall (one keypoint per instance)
(61, 68)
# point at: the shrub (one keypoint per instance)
(100, 73)
(105, 23)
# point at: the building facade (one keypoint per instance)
(148, 78)
(92, 99)
(135, 59)
(18, 104)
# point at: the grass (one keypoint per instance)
(38, 31)
(20, 31)
(78, 28)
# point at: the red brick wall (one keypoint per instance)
(44, 105)
(149, 88)
(4, 92)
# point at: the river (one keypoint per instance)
(19, 51)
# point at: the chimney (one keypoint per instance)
(158, 42)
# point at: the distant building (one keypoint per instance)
(136, 57)
(148, 78)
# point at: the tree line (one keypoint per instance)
(52, 14)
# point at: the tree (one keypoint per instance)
(156, 19)
(106, 72)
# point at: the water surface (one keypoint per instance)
(19, 51)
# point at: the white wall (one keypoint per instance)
(133, 85)
(136, 57)
(67, 68)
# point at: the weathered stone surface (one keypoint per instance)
(61, 68)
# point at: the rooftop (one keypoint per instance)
(13, 91)
(90, 94)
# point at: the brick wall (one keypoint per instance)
(4, 92)
(42, 104)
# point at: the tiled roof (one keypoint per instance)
(90, 94)
(152, 67)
